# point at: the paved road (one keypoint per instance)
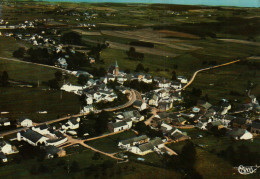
(132, 98)
(204, 69)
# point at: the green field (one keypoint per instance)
(109, 144)
(28, 101)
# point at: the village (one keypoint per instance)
(133, 92)
(156, 109)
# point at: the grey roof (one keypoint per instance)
(146, 147)
(119, 124)
(130, 114)
(138, 103)
(216, 123)
(31, 135)
(156, 141)
(135, 139)
(73, 120)
(43, 126)
(237, 132)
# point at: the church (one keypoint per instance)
(113, 69)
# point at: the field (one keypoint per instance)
(109, 144)
(28, 101)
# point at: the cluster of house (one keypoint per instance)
(208, 116)
(143, 145)
(124, 120)
(95, 91)
(39, 40)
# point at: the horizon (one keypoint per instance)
(228, 3)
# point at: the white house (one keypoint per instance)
(126, 144)
(73, 123)
(87, 109)
(155, 144)
(5, 147)
(32, 137)
(72, 88)
(240, 134)
(182, 79)
(119, 126)
(62, 63)
(5, 122)
(24, 122)
(42, 129)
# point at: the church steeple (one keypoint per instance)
(116, 71)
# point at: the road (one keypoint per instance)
(205, 69)
(132, 98)
(21, 61)
(73, 141)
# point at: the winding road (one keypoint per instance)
(205, 69)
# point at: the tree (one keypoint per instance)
(71, 38)
(58, 75)
(174, 76)
(75, 166)
(54, 84)
(5, 78)
(83, 79)
(19, 53)
(139, 68)
(96, 156)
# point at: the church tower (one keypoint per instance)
(116, 71)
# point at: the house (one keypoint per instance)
(72, 88)
(87, 109)
(240, 122)
(119, 126)
(134, 115)
(140, 105)
(176, 135)
(52, 151)
(62, 63)
(5, 147)
(153, 99)
(217, 124)
(42, 129)
(73, 123)
(24, 122)
(176, 85)
(5, 122)
(255, 127)
(203, 104)
(125, 144)
(155, 144)
(164, 106)
(182, 79)
(32, 137)
(240, 134)
(3, 157)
